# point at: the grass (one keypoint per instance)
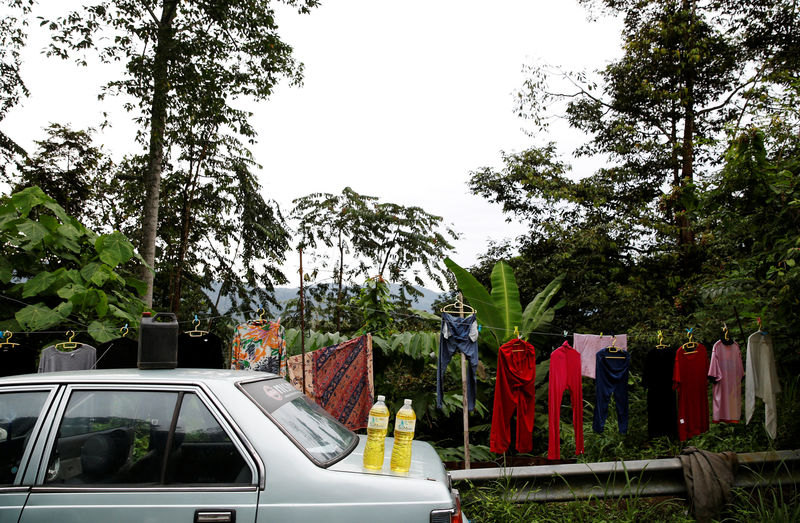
(494, 502)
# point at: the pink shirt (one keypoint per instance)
(588, 345)
(726, 367)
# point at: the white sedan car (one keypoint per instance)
(189, 445)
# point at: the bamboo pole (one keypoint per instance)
(464, 405)
(302, 323)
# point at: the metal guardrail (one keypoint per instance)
(614, 479)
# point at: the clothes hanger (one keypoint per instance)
(691, 344)
(516, 335)
(123, 331)
(661, 344)
(6, 337)
(196, 332)
(760, 328)
(458, 307)
(260, 320)
(68, 345)
(615, 349)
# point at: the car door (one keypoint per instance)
(146, 453)
(21, 418)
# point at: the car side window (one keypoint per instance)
(204, 454)
(19, 412)
(126, 438)
(112, 437)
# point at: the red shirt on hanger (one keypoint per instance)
(690, 380)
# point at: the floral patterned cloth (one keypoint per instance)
(259, 346)
(294, 367)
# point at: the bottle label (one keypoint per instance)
(405, 425)
(378, 422)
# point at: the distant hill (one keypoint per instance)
(284, 294)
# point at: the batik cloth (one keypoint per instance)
(294, 369)
(343, 383)
(259, 346)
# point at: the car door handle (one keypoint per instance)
(214, 516)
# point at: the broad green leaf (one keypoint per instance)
(64, 309)
(426, 315)
(69, 231)
(114, 248)
(136, 283)
(481, 300)
(69, 290)
(86, 300)
(50, 222)
(537, 316)
(37, 317)
(95, 273)
(5, 270)
(505, 295)
(34, 233)
(102, 304)
(10, 324)
(28, 198)
(39, 283)
(58, 211)
(103, 331)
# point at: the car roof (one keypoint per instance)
(127, 376)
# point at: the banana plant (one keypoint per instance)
(500, 311)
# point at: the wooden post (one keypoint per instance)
(464, 404)
(302, 323)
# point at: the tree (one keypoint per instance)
(657, 114)
(642, 239)
(179, 53)
(383, 240)
(334, 221)
(12, 39)
(67, 166)
(56, 272)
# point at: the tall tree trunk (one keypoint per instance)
(685, 234)
(158, 121)
(186, 220)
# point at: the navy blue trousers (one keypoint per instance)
(611, 377)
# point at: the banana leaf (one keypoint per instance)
(505, 295)
(480, 299)
(538, 316)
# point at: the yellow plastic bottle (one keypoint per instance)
(376, 435)
(404, 424)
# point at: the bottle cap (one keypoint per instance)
(406, 401)
(381, 398)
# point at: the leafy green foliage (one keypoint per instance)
(187, 71)
(68, 167)
(13, 36)
(500, 312)
(54, 272)
(372, 239)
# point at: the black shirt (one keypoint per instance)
(17, 359)
(662, 412)
(200, 352)
(121, 353)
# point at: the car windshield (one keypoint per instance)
(315, 431)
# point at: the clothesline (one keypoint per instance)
(255, 311)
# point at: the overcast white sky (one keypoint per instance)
(401, 100)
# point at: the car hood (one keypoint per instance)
(425, 462)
